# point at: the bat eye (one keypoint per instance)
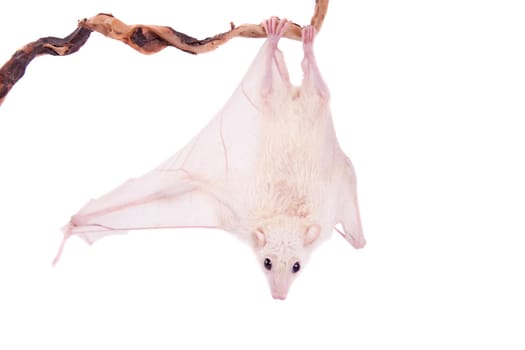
(296, 267)
(267, 264)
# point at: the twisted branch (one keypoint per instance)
(146, 39)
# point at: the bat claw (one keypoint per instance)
(308, 35)
(275, 28)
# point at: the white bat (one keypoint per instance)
(267, 168)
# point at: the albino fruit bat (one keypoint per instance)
(267, 168)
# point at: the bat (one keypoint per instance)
(267, 168)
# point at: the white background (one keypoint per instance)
(428, 101)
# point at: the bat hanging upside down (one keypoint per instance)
(267, 168)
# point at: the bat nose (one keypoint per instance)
(279, 285)
(279, 295)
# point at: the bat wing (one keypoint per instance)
(348, 213)
(194, 187)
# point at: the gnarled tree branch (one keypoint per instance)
(147, 39)
(14, 69)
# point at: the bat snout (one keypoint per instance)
(279, 290)
(279, 295)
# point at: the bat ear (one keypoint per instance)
(260, 238)
(312, 233)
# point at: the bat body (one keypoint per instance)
(267, 168)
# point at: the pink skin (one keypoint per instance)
(279, 286)
(275, 29)
(309, 65)
(357, 240)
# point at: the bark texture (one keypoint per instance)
(146, 39)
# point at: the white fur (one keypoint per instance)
(297, 167)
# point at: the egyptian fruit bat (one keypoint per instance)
(267, 168)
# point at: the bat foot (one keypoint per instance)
(275, 29)
(308, 36)
(309, 65)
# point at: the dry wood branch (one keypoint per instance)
(147, 39)
(14, 69)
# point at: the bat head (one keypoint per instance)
(282, 254)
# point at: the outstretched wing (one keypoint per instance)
(194, 187)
